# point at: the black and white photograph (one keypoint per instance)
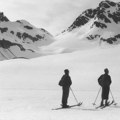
(59, 59)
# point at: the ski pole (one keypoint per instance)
(113, 97)
(97, 96)
(74, 95)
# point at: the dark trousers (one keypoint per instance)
(105, 92)
(65, 95)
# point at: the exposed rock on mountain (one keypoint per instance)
(93, 28)
(21, 39)
(101, 23)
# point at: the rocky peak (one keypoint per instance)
(83, 19)
(103, 23)
(3, 18)
(107, 4)
(105, 11)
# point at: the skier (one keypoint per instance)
(105, 81)
(65, 82)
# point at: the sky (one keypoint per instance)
(52, 15)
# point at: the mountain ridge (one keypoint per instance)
(21, 38)
(92, 28)
(106, 13)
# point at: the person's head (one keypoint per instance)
(106, 71)
(66, 71)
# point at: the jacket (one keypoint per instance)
(104, 80)
(65, 81)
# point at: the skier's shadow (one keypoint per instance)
(115, 106)
(89, 109)
(85, 109)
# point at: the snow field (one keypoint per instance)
(37, 104)
(29, 88)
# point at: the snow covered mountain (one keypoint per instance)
(104, 22)
(94, 27)
(20, 39)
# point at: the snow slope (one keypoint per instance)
(45, 72)
(20, 39)
(93, 27)
(29, 88)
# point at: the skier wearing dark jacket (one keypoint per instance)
(65, 82)
(105, 81)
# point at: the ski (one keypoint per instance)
(109, 104)
(101, 107)
(98, 107)
(79, 104)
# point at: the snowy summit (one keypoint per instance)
(94, 27)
